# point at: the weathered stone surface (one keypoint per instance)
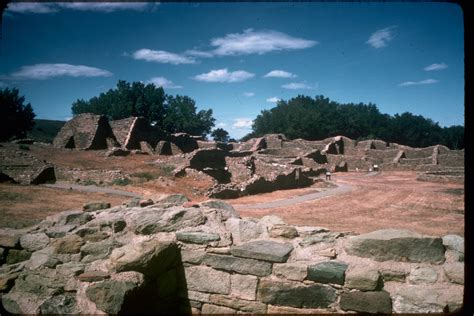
(455, 272)
(59, 231)
(205, 279)
(208, 309)
(367, 302)
(362, 278)
(239, 265)
(17, 255)
(241, 305)
(9, 238)
(60, 305)
(118, 225)
(422, 275)
(295, 294)
(192, 256)
(284, 231)
(42, 258)
(93, 276)
(71, 217)
(150, 221)
(68, 245)
(226, 209)
(304, 231)
(426, 299)
(327, 272)
(174, 199)
(33, 242)
(398, 245)
(263, 250)
(95, 206)
(393, 275)
(98, 250)
(111, 295)
(243, 286)
(7, 281)
(196, 296)
(70, 268)
(243, 230)
(454, 242)
(150, 257)
(144, 203)
(197, 237)
(272, 310)
(292, 270)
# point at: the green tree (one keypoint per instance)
(16, 118)
(220, 135)
(181, 116)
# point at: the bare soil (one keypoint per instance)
(387, 200)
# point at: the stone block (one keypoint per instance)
(362, 278)
(327, 272)
(238, 304)
(263, 250)
(423, 275)
(243, 286)
(455, 272)
(367, 302)
(208, 280)
(239, 265)
(292, 271)
(197, 237)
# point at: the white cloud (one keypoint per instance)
(242, 123)
(50, 7)
(279, 74)
(436, 67)
(199, 53)
(223, 75)
(380, 38)
(221, 124)
(163, 82)
(161, 56)
(257, 42)
(297, 86)
(249, 94)
(273, 100)
(45, 71)
(415, 83)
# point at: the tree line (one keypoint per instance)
(318, 118)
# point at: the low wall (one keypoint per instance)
(173, 256)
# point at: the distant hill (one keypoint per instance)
(45, 130)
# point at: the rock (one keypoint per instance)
(33, 242)
(454, 242)
(393, 275)
(367, 302)
(423, 275)
(59, 231)
(362, 278)
(174, 199)
(42, 258)
(100, 249)
(304, 231)
(192, 256)
(398, 245)
(93, 276)
(293, 271)
(16, 255)
(425, 298)
(205, 279)
(284, 231)
(95, 206)
(72, 217)
(263, 250)
(226, 209)
(144, 203)
(197, 237)
(453, 256)
(68, 245)
(272, 310)
(296, 294)
(240, 305)
(9, 238)
(208, 309)
(150, 221)
(243, 230)
(110, 296)
(7, 281)
(455, 272)
(269, 220)
(243, 286)
(70, 269)
(150, 257)
(60, 305)
(327, 272)
(239, 265)
(330, 253)
(118, 225)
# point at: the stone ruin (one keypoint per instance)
(17, 166)
(171, 256)
(86, 131)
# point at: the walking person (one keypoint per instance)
(328, 175)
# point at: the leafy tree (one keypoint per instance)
(220, 135)
(16, 118)
(181, 116)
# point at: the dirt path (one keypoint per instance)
(376, 201)
(91, 188)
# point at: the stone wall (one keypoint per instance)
(167, 256)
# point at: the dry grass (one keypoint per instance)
(22, 205)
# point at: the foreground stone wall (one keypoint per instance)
(170, 255)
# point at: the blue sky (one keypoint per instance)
(239, 58)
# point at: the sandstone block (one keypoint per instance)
(33, 242)
(243, 286)
(243, 230)
(197, 237)
(283, 231)
(238, 304)
(455, 272)
(367, 302)
(293, 271)
(205, 279)
(239, 265)
(263, 250)
(454, 242)
(362, 278)
(422, 275)
(208, 309)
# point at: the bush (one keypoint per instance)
(121, 182)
